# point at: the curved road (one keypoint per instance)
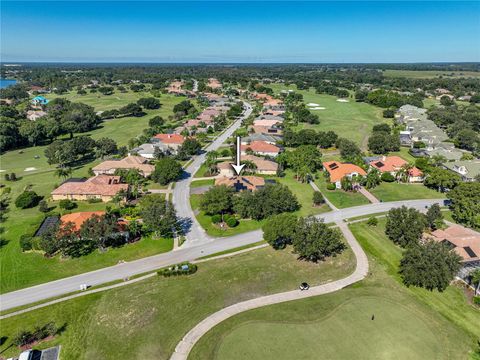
(184, 347)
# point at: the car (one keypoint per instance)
(304, 286)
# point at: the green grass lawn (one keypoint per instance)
(350, 120)
(399, 191)
(341, 199)
(408, 323)
(147, 319)
(21, 270)
(200, 183)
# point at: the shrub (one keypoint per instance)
(27, 199)
(389, 113)
(180, 269)
(232, 222)
(216, 218)
(387, 177)
(43, 206)
(23, 338)
(318, 198)
(94, 200)
(476, 300)
(26, 242)
(67, 204)
(372, 221)
(331, 186)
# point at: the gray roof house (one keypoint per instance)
(467, 169)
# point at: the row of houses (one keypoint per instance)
(176, 88)
(418, 128)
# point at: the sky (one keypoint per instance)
(228, 31)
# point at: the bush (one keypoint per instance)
(26, 242)
(94, 201)
(43, 206)
(389, 113)
(372, 221)
(387, 177)
(67, 204)
(232, 222)
(476, 300)
(318, 198)
(180, 269)
(27, 199)
(216, 218)
(23, 338)
(331, 186)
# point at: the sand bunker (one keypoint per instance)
(30, 169)
(342, 100)
(313, 104)
(318, 108)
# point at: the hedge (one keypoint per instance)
(176, 270)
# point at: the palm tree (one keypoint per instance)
(476, 280)
(211, 161)
(404, 173)
(438, 159)
(63, 172)
(250, 166)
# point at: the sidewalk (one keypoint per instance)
(368, 195)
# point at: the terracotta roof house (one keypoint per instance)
(214, 83)
(271, 139)
(261, 148)
(240, 183)
(338, 171)
(79, 218)
(130, 162)
(274, 112)
(172, 141)
(265, 167)
(34, 115)
(392, 164)
(464, 241)
(266, 122)
(103, 187)
(270, 130)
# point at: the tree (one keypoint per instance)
(475, 276)
(27, 199)
(434, 217)
(211, 162)
(156, 123)
(465, 204)
(101, 231)
(43, 206)
(372, 179)
(318, 198)
(431, 266)
(63, 172)
(67, 204)
(313, 240)
(217, 200)
(466, 139)
(105, 146)
(167, 170)
(441, 179)
(189, 148)
(132, 109)
(348, 149)
(446, 101)
(405, 226)
(382, 143)
(33, 131)
(279, 230)
(106, 90)
(137, 87)
(149, 103)
(158, 215)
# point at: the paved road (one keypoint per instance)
(187, 253)
(181, 193)
(184, 347)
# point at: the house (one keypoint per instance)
(393, 164)
(39, 101)
(240, 183)
(271, 139)
(263, 166)
(148, 151)
(270, 130)
(450, 96)
(469, 170)
(214, 84)
(269, 117)
(172, 141)
(465, 98)
(261, 148)
(78, 218)
(103, 187)
(338, 171)
(33, 115)
(130, 162)
(266, 123)
(464, 241)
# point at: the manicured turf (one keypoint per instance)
(399, 191)
(408, 323)
(200, 183)
(147, 319)
(350, 120)
(341, 199)
(21, 270)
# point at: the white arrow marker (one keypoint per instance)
(238, 168)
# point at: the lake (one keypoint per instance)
(4, 83)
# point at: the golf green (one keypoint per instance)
(361, 328)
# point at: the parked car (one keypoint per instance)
(304, 286)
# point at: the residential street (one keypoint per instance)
(195, 249)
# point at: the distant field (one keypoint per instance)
(351, 120)
(427, 74)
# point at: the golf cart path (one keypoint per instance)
(184, 347)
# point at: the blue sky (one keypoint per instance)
(240, 31)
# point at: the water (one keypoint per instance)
(4, 83)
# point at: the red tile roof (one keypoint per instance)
(261, 147)
(241, 182)
(393, 164)
(338, 170)
(79, 218)
(170, 138)
(103, 185)
(466, 241)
